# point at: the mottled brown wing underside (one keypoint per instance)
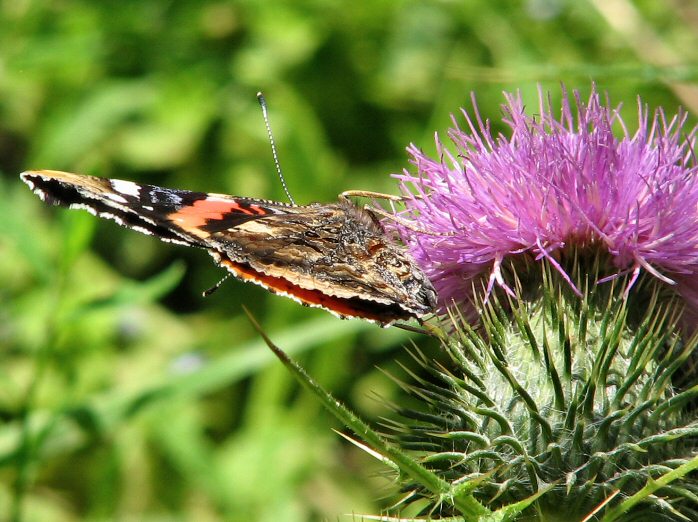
(330, 256)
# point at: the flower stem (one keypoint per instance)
(461, 500)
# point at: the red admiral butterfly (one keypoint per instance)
(332, 256)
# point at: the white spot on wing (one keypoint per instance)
(115, 197)
(163, 196)
(126, 187)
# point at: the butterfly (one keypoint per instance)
(333, 256)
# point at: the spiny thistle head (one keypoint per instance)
(577, 252)
(569, 396)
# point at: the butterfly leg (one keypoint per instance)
(369, 194)
(374, 212)
(377, 211)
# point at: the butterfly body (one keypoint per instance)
(334, 256)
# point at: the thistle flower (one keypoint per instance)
(578, 250)
(556, 183)
(571, 396)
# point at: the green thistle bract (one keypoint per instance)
(553, 390)
(566, 261)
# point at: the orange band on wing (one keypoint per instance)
(258, 210)
(204, 210)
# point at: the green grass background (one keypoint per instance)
(125, 395)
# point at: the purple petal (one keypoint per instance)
(555, 182)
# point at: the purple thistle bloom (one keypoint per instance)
(552, 184)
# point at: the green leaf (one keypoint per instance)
(465, 503)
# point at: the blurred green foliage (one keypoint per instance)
(124, 394)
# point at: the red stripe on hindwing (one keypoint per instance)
(314, 298)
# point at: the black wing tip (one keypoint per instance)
(49, 189)
(33, 179)
(28, 177)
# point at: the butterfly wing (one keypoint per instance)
(330, 256)
(169, 214)
(333, 256)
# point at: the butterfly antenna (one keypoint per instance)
(215, 287)
(265, 114)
